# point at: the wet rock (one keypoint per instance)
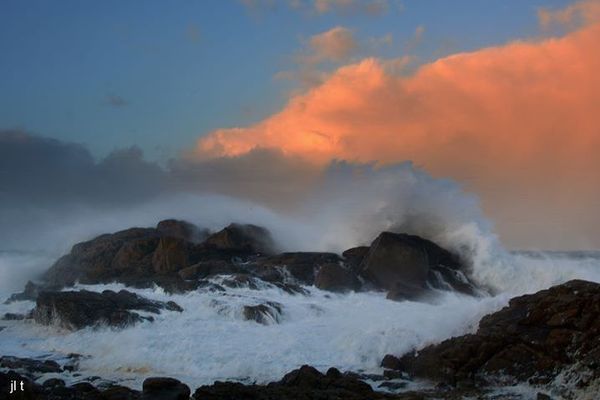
(31, 292)
(244, 239)
(533, 339)
(407, 266)
(13, 317)
(353, 257)
(303, 383)
(209, 268)
(76, 310)
(182, 230)
(241, 281)
(266, 314)
(29, 365)
(335, 278)
(164, 389)
(300, 266)
(171, 255)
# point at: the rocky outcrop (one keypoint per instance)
(533, 339)
(407, 266)
(164, 389)
(304, 383)
(335, 278)
(176, 255)
(77, 310)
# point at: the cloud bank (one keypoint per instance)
(517, 123)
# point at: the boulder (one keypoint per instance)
(92, 261)
(242, 239)
(267, 313)
(407, 266)
(335, 278)
(171, 255)
(534, 339)
(29, 366)
(300, 266)
(77, 310)
(181, 230)
(353, 257)
(303, 383)
(164, 389)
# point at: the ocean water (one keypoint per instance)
(211, 341)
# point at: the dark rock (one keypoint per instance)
(304, 383)
(13, 317)
(335, 278)
(171, 255)
(164, 389)
(407, 266)
(92, 261)
(241, 281)
(267, 313)
(53, 382)
(31, 292)
(250, 239)
(301, 266)
(205, 269)
(76, 310)
(390, 362)
(181, 230)
(29, 366)
(533, 339)
(353, 257)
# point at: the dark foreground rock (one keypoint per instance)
(165, 389)
(304, 383)
(534, 339)
(77, 310)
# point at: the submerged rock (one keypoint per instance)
(534, 339)
(77, 310)
(266, 314)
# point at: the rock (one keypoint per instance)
(391, 362)
(242, 281)
(335, 278)
(29, 366)
(243, 239)
(407, 266)
(300, 266)
(533, 339)
(134, 257)
(31, 292)
(92, 261)
(266, 314)
(207, 269)
(13, 317)
(353, 257)
(303, 383)
(182, 230)
(164, 389)
(76, 310)
(171, 255)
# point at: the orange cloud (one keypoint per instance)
(519, 124)
(335, 44)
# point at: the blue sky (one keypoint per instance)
(158, 75)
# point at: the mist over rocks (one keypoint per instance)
(173, 257)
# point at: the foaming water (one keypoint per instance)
(211, 341)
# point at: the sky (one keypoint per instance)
(499, 96)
